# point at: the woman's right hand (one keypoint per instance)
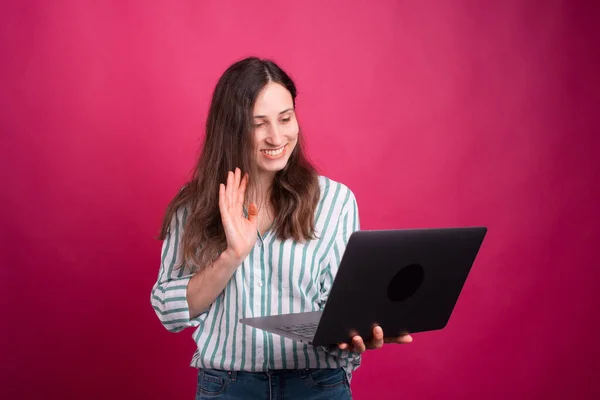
(241, 232)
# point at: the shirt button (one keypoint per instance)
(261, 359)
(259, 284)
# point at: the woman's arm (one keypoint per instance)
(181, 298)
(208, 283)
(169, 293)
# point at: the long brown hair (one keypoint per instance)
(228, 144)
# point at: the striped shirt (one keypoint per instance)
(277, 277)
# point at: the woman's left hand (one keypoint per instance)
(359, 346)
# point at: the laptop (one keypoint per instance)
(406, 281)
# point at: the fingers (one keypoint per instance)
(241, 192)
(253, 213)
(377, 337)
(232, 194)
(357, 345)
(402, 339)
(347, 346)
(223, 203)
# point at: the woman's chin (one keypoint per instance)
(272, 167)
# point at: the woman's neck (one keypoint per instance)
(262, 189)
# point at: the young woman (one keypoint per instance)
(256, 232)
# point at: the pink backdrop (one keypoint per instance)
(434, 114)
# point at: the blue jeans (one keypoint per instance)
(302, 384)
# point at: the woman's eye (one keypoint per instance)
(259, 124)
(286, 120)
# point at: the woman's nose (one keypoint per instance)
(274, 135)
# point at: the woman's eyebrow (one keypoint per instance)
(283, 112)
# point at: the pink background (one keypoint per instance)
(434, 113)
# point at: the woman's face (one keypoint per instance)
(275, 128)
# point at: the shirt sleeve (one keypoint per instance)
(168, 297)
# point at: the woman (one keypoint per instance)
(256, 232)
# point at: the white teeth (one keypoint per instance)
(273, 153)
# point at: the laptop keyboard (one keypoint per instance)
(304, 330)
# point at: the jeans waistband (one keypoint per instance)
(302, 372)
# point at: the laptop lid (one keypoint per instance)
(406, 281)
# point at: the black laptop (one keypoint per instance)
(406, 281)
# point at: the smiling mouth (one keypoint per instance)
(275, 152)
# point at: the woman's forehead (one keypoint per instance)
(273, 100)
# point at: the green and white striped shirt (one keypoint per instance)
(277, 277)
